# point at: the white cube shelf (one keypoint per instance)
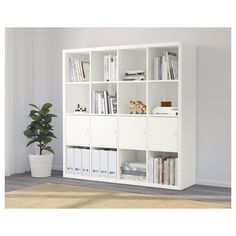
(131, 137)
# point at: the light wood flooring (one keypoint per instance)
(196, 192)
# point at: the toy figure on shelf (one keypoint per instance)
(80, 109)
(132, 107)
(140, 107)
(137, 107)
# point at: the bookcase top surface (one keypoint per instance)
(123, 47)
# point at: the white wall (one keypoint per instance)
(213, 83)
(19, 93)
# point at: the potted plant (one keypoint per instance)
(40, 131)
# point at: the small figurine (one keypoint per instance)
(132, 106)
(143, 108)
(80, 109)
(140, 107)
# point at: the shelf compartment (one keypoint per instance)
(82, 56)
(97, 64)
(157, 52)
(78, 160)
(77, 94)
(158, 92)
(130, 92)
(132, 165)
(131, 59)
(111, 88)
(162, 168)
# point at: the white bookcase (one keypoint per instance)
(133, 136)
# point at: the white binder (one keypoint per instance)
(103, 163)
(70, 160)
(112, 164)
(77, 161)
(85, 161)
(95, 162)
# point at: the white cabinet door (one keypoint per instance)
(132, 132)
(162, 134)
(104, 131)
(77, 130)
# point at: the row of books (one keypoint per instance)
(166, 67)
(103, 103)
(110, 68)
(79, 70)
(163, 169)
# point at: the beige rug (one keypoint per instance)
(65, 196)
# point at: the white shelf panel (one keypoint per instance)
(120, 181)
(77, 83)
(162, 81)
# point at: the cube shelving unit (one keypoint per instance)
(134, 136)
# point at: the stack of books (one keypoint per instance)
(134, 75)
(79, 70)
(103, 103)
(165, 111)
(110, 68)
(166, 67)
(163, 169)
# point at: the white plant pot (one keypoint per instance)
(41, 165)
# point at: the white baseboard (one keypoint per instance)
(213, 183)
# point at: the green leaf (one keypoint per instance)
(49, 149)
(36, 118)
(33, 112)
(48, 119)
(33, 106)
(46, 106)
(50, 115)
(46, 139)
(28, 133)
(32, 141)
(51, 135)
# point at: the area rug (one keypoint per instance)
(50, 195)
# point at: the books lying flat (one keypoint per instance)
(171, 111)
(134, 75)
(79, 70)
(103, 103)
(166, 67)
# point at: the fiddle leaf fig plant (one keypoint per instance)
(40, 130)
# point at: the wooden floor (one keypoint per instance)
(196, 192)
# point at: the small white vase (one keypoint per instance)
(41, 165)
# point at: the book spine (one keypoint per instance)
(160, 171)
(72, 70)
(172, 171)
(93, 101)
(105, 68)
(105, 102)
(150, 170)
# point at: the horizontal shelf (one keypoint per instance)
(121, 181)
(122, 82)
(162, 81)
(76, 83)
(126, 115)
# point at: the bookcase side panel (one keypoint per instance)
(187, 116)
